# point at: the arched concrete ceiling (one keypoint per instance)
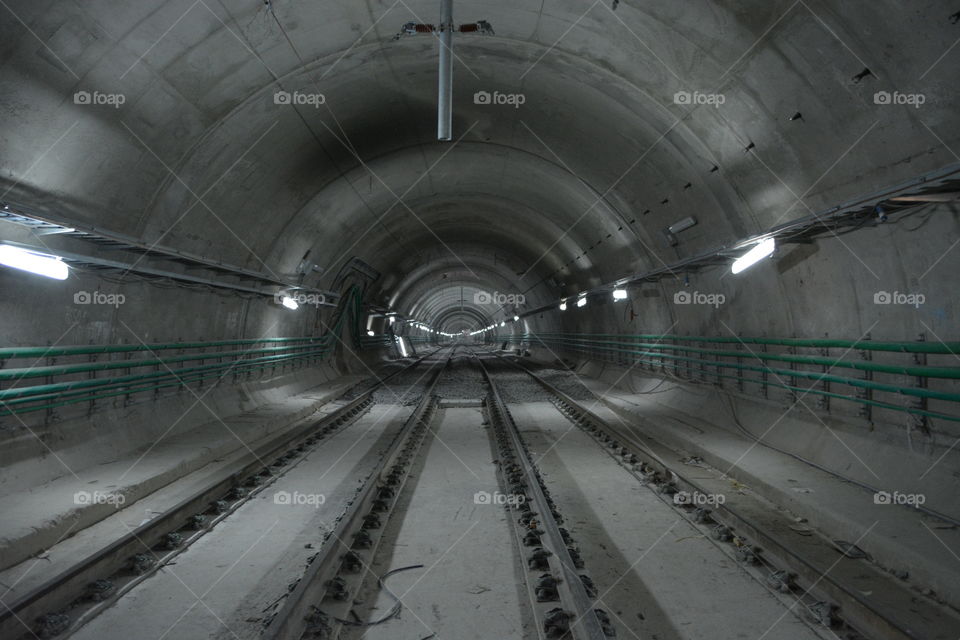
(567, 190)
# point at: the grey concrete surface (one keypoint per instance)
(471, 585)
(899, 537)
(187, 142)
(567, 190)
(641, 553)
(38, 517)
(228, 583)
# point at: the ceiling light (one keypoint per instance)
(763, 249)
(516, 318)
(682, 225)
(38, 263)
(582, 302)
(371, 333)
(563, 306)
(289, 303)
(619, 294)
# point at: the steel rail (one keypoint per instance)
(300, 614)
(586, 625)
(65, 590)
(899, 614)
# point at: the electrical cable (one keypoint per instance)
(394, 610)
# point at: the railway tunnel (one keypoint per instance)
(459, 319)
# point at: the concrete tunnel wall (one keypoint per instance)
(567, 191)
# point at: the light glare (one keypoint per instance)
(38, 263)
(755, 255)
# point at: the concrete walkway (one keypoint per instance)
(471, 586)
(58, 512)
(230, 581)
(655, 573)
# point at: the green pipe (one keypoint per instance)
(96, 396)
(37, 372)
(761, 381)
(69, 369)
(43, 352)
(928, 372)
(42, 392)
(92, 382)
(805, 390)
(790, 373)
(67, 393)
(948, 348)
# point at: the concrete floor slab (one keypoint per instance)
(470, 586)
(657, 573)
(900, 538)
(40, 518)
(227, 584)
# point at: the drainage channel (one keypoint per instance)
(559, 588)
(321, 601)
(813, 571)
(72, 598)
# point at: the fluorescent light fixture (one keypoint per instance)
(582, 302)
(38, 263)
(619, 294)
(563, 306)
(289, 303)
(762, 249)
(682, 225)
(371, 333)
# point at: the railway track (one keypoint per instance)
(562, 596)
(557, 585)
(320, 602)
(559, 593)
(70, 599)
(407, 513)
(831, 581)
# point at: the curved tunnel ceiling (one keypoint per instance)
(567, 190)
